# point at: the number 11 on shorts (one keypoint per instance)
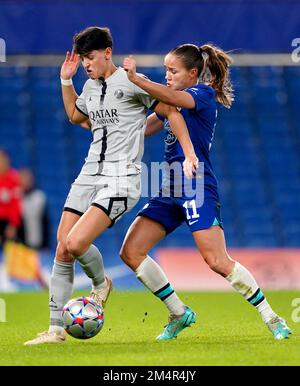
(191, 204)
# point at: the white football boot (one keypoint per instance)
(47, 337)
(101, 295)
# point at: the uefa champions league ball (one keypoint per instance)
(82, 318)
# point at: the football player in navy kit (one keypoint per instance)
(197, 81)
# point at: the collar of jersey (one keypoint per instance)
(111, 76)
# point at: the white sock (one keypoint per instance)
(154, 278)
(60, 291)
(265, 310)
(58, 330)
(92, 264)
(243, 282)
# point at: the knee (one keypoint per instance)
(126, 253)
(75, 246)
(129, 254)
(62, 253)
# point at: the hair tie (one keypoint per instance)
(204, 55)
(205, 75)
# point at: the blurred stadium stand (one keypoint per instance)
(255, 152)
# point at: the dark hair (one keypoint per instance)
(213, 68)
(92, 38)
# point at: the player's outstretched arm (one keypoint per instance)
(68, 70)
(163, 93)
(180, 130)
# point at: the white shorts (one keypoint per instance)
(114, 195)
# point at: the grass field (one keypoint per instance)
(228, 332)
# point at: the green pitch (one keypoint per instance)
(228, 332)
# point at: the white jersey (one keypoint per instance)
(117, 110)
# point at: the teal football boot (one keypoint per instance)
(177, 324)
(279, 328)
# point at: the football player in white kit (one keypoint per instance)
(109, 182)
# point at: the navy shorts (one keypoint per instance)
(171, 212)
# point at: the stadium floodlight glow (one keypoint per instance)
(2, 311)
(296, 53)
(2, 50)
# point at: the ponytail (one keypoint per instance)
(215, 72)
(212, 64)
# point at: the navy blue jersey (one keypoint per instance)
(201, 122)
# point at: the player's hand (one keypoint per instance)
(129, 65)
(86, 124)
(70, 65)
(190, 165)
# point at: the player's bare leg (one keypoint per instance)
(211, 244)
(143, 234)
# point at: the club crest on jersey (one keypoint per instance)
(170, 138)
(119, 94)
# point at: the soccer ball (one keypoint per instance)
(82, 318)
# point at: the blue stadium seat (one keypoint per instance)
(255, 153)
